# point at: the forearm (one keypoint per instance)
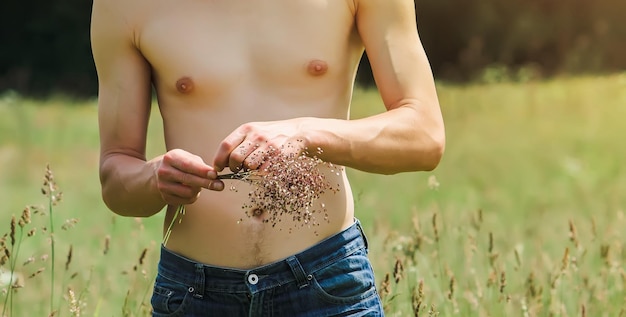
(129, 185)
(404, 139)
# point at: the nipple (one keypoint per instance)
(317, 67)
(184, 85)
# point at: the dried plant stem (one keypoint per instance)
(238, 175)
(52, 258)
(15, 250)
(179, 211)
(51, 191)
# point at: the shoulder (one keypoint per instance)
(381, 16)
(384, 5)
(116, 18)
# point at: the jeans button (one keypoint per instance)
(253, 279)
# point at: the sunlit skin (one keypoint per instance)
(236, 78)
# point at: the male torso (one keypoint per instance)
(217, 64)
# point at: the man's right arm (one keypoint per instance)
(123, 111)
(131, 185)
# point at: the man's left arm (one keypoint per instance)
(409, 136)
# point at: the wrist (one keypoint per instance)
(309, 134)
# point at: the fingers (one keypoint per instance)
(182, 175)
(245, 148)
(229, 144)
(251, 156)
(237, 158)
(177, 194)
(189, 164)
(250, 145)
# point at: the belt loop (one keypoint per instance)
(358, 225)
(198, 291)
(298, 271)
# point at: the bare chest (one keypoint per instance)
(217, 45)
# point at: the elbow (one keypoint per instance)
(423, 158)
(433, 147)
(433, 155)
(119, 208)
(111, 200)
(107, 192)
(428, 155)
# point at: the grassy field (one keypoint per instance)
(525, 216)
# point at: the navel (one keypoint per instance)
(317, 67)
(184, 85)
(257, 213)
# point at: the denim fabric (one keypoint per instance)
(332, 278)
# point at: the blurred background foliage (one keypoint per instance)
(44, 45)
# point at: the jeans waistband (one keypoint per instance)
(202, 277)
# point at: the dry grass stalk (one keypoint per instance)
(69, 223)
(477, 220)
(6, 254)
(573, 236)
(50, 188)
(435, 229)
(74, 303)
(451, 287)
(565, 260)
(532, 291)
(39, 271)
(12, 232)
(385, 287)
(398, 270)
(492, 279)
(29, 261)
(433, 311)
(493, 256)
(564, 265)
(68, 259)
(107, 242)
(502, 282)
(25, 218)
(518, 259)
(418, 237)
(604, 253)
(433, 183)
(417, 298)
(142, 257)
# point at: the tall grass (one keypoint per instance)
(524, 216)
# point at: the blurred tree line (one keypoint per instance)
(44, 45)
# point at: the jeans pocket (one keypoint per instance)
(169, 298)
(346, 281)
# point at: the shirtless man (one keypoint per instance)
(233, 78)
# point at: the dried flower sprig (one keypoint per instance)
(287, 184)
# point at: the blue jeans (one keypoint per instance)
(332, 278)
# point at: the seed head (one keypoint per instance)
(288, 184)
